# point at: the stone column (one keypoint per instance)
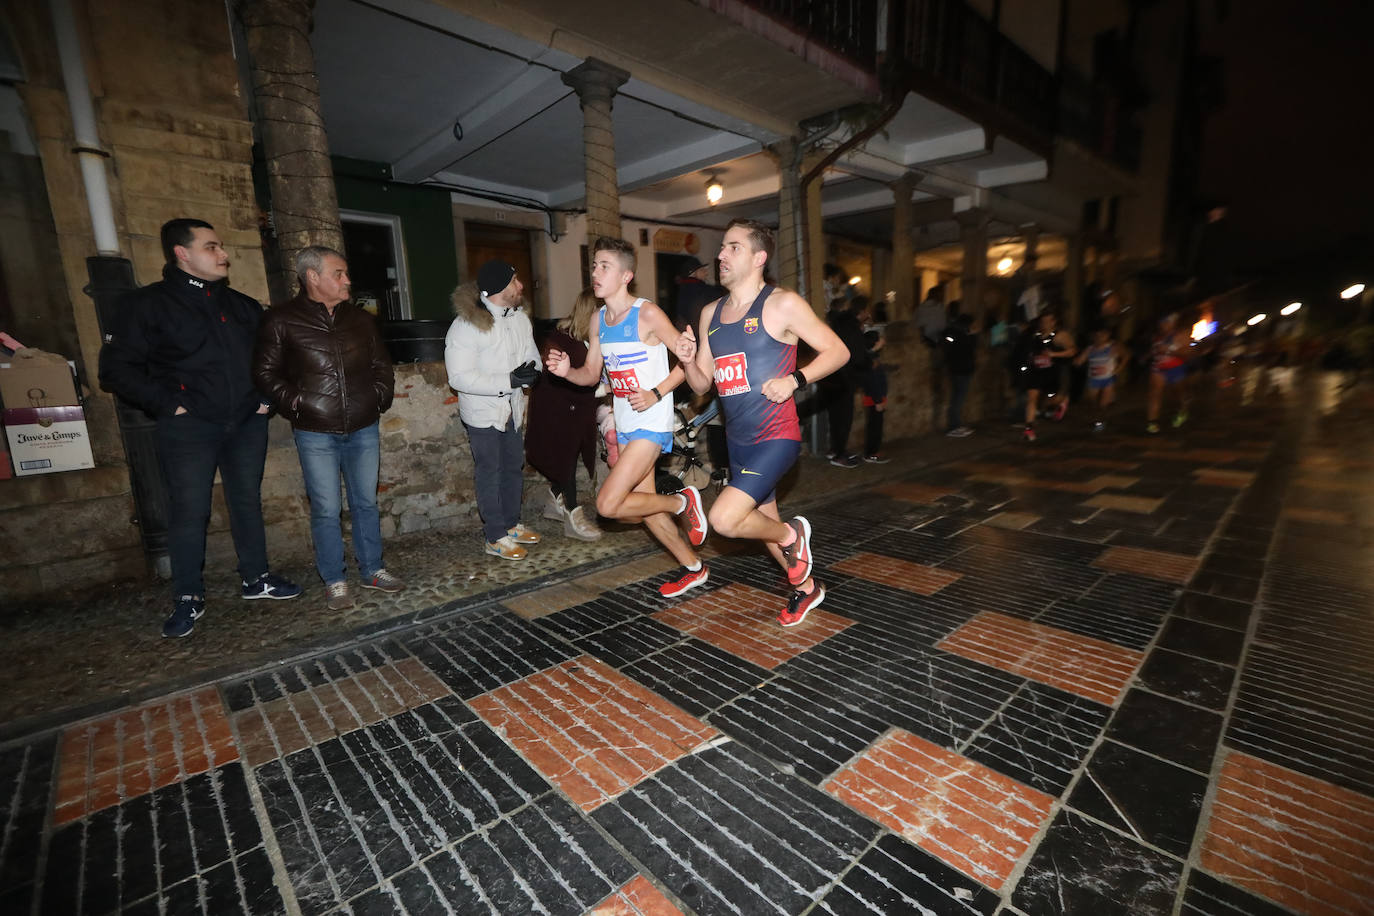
(813, 254)
(1030, 233)
(286, 96)
(786, 269)
(974, 231)
(596, 82)
(1073, 281)
(903, 252)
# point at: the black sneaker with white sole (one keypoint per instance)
(270, 585)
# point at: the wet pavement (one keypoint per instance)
(1109, 674)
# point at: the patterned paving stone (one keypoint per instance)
(895, 878)
(1040, 737)
(638, 898)
(1090, 668)
(128, 754)
(1155, 564)
(1184, 734)
(1141, 796)
(725, 832)
(590, 730)
(193, 846)
(1298, 841)
(1082, 867)
(474, 656)
(25, 785)
(327, 708)
(551, 600)
(742, 620)
(1013, 520)
(911, 577)
(968, 816)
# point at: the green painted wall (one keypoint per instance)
(426, 223)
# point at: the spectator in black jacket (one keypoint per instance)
(838, 388)
(961, 346)
(182, 349)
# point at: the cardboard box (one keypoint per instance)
(44, 440)
(43, 380)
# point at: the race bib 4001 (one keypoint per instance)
(623, 381)
(732, 374)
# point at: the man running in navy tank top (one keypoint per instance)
(747, 346)
(632, 341)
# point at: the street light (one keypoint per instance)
(1350, 292)
(1290, 308)
(714, 190)
(1004, 265)
(1256, 319)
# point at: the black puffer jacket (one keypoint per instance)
(326, 374)
(184, 342)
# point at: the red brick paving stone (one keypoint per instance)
(1294, 839)
(1318, 516)
(637, 898)
(903, 574)
(1218, 477)
(963, 813)
(1156, 564)
(1143, 505)
(590, 729)
(1085, 667)
(1012, 520)
(915, 492)
(134, 751)
(742, 620)
(1108, 463)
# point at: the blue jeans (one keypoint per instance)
(189, 450)
(357, 456)
(498, 459)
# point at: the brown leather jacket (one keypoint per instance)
(325, 374)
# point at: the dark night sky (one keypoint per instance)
(1293, 147)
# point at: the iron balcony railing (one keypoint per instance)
(847, 27)
(1093, 117)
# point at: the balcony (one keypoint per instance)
(846, 27)
(1093, 117)
(957, 57)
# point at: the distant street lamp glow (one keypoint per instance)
(1290, 308)
(1256, 319)
(1004, 265)
(714, 190)
(1350, 292)
(855, 280)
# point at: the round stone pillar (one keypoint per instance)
(596, 82)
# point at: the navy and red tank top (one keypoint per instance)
(746, 356)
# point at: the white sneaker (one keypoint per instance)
(554, 510)
(578, 526)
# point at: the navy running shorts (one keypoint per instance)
(756, 469)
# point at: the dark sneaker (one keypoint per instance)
(800, 604)
(845, 461)
(337, 596)
(798, 553)
(383, 581)
(270, 585)
(185, 612)
(877, 459)
(695, 516)
(683, 580)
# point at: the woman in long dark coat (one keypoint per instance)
(562, 422)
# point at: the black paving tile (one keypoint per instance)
(1192, 637)
(1082, 867)
(601, 613)
(1167, 728)
(1040, 737)
(1184, 677)
(25, 783)
(697, 676)
(1141, 796)
(1218, 611)
(725, 867)
(800, 724)
(477, 656)
(896, 879)
(627, 643)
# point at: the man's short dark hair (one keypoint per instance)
(760, 238)
(180, 232)
(621, 248)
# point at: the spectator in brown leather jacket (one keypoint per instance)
(321, 362)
